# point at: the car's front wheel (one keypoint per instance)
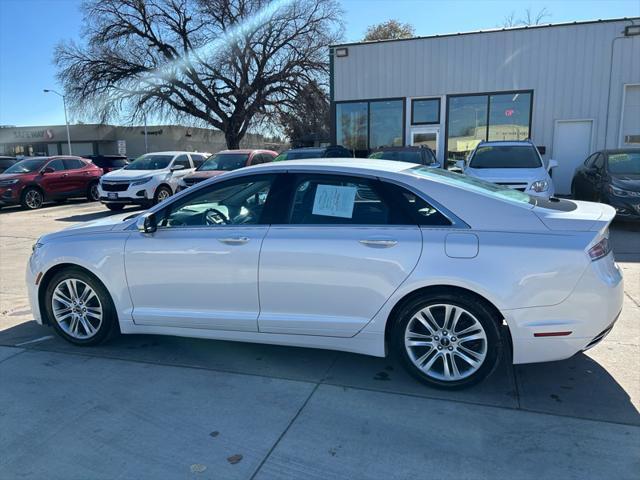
(32, 198)
(162, 193)
(448, 341)
(79, 307)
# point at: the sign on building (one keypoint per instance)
(122, 147)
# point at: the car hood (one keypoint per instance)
(205, 174)
(11, 176)
(101, 225)
(627, 182)
(130, 174)
(508, 175)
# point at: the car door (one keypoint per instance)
(77, 176)
(595, 178)
(55, 184)
(340, 252)
(199, 269)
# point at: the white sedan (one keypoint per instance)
(366, 256)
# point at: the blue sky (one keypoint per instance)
(30, 29)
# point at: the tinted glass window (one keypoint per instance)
(425, 111)
(150, 162)
(505, 157)
(236, 202)
(417, 208)
(57, 164)
(509, 116)
(26, 166)
(599, 161)
(624, 163)
(257, 159)
(197, 159)
(328, 199)
(182, 160)
(386, 120)
(590, 159)
(73, 163)
(302, 154)
(6, 163)
(352, 125)
(411, 156)
(225, 162)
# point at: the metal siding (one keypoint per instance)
(567, 67)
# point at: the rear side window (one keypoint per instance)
(73, 163)
(57, 165)
(418, 209)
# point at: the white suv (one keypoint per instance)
(147, 180)
(516, 165)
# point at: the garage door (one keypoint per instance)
(571, 146)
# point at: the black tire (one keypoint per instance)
(476, 308)
(109, 324)
(115, 207)
(92, 192)
(162, 190)
(32, 198)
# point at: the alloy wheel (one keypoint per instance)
(93, 192)
(446, 342)
(33, 199)
(163, 194)
(77, 309)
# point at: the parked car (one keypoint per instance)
(420, 155)
(226, 161)
(6, 162)
(427, 262)
(612, 177)
(33, 181)
(109, 163)
(147, 180)
(333, 151)
(516, 165)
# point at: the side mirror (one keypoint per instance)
(146, 223)
(47, 170)
(552, 164)
(177, 167)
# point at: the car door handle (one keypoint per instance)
(234, 240)
(379, 243)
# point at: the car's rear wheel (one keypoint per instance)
(162, 193)
(32, 198)
(92, 192)
(79, 307)
(115, 207)
(448, 341)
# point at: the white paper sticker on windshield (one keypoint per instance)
(334, 201)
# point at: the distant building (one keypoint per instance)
(94, 139)
(572, 88)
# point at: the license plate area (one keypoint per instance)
(112, 195)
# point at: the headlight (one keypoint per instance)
(621, 192)
(6, 183)
(540, 186)
(141, 181)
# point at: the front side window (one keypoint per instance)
(225, 162)
(497, 156)
(150, 162)
(352, 124)
(235, 202)
(386, 119)
(328, 199)
(599, 161)
(425, 111)
(197, 159)
(411, 156)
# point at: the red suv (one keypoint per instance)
(33, 181)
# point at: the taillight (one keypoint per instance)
(599, 250)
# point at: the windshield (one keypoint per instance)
(399, 156)
(224, 161)
(473, 184)
(505, 157)
(302, 154)
(150, 162)
(624, 163)
(26, 166)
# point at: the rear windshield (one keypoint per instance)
(302, 154)
(624, 163)
(26, 166)
(224, 161)
(399, 155)
(150, 162)
(504, 156)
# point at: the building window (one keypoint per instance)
(474, 118)
(425, 111)
(352, 125)
(386, 119)
(631, 117)
(365, 126)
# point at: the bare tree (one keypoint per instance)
(224, 63)
(391, 29)
(530, 18)
(306, 124)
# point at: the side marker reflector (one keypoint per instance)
(38, 278)
(552, 334)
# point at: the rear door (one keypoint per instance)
(56, 183)
(341, 251)
(78, 176)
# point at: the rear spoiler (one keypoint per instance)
(586, 217)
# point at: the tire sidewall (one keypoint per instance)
(109, 319)
(473, 306)
(90, 196)
(156, 200)
(24, 198)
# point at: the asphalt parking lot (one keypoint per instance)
(166, 407)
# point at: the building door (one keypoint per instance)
(571, 146)
(427, 136)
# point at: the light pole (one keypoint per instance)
(64, 104)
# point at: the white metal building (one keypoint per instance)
(572, 88)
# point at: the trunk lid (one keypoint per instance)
(574, 215)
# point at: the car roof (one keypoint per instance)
(506, 143)
(344, 164)
(243, 151)
(317, 149)
(409, 148)
(172, 152)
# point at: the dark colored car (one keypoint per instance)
(33, 181)
(612, 177)
(6, 162)
(109, 163)
(419, 155)
(225, 161)
(332, 151)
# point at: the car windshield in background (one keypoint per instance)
(493, 156)
(26, 166)
(302, 154)
(472, 183)
(224, 162)
(103, 162)
(627, 163)
(399, 156)
(150, 162)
